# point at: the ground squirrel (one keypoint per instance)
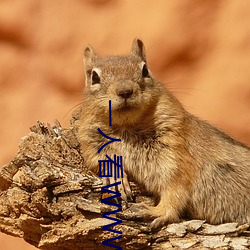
(190, 166)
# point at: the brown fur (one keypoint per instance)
(191, 166)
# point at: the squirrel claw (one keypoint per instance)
(158, 223)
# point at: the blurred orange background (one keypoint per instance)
(200, 49)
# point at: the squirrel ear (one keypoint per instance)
(89, 57)
(138, 49)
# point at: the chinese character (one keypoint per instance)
(106, 167)
(110, 138)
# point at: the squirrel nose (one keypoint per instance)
(125, 93)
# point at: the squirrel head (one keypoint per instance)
(125, 80)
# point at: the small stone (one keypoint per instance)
(220, 229)
(239, 243)
(183, 243)
(214, 241)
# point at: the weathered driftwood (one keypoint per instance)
(49, 198)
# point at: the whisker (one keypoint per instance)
(71, 109)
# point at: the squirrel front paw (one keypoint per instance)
(124, 188)
(141, 211)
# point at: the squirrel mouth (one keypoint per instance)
(125, 106)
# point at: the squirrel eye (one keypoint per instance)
(95, 78)
(145, 72)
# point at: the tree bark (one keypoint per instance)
(50, 199)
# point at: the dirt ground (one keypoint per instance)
(200, 49)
